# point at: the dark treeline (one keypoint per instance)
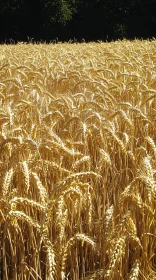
(62, 20)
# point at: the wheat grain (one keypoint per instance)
(77, 159)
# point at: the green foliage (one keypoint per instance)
(11, 8)
(96, 19)
(59, 11)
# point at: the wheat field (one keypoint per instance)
(78, 161)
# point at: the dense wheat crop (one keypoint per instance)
(78, 161)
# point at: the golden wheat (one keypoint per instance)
(77, 161)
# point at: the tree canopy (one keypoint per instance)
(66, 19)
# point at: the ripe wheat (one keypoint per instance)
(78, 161)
